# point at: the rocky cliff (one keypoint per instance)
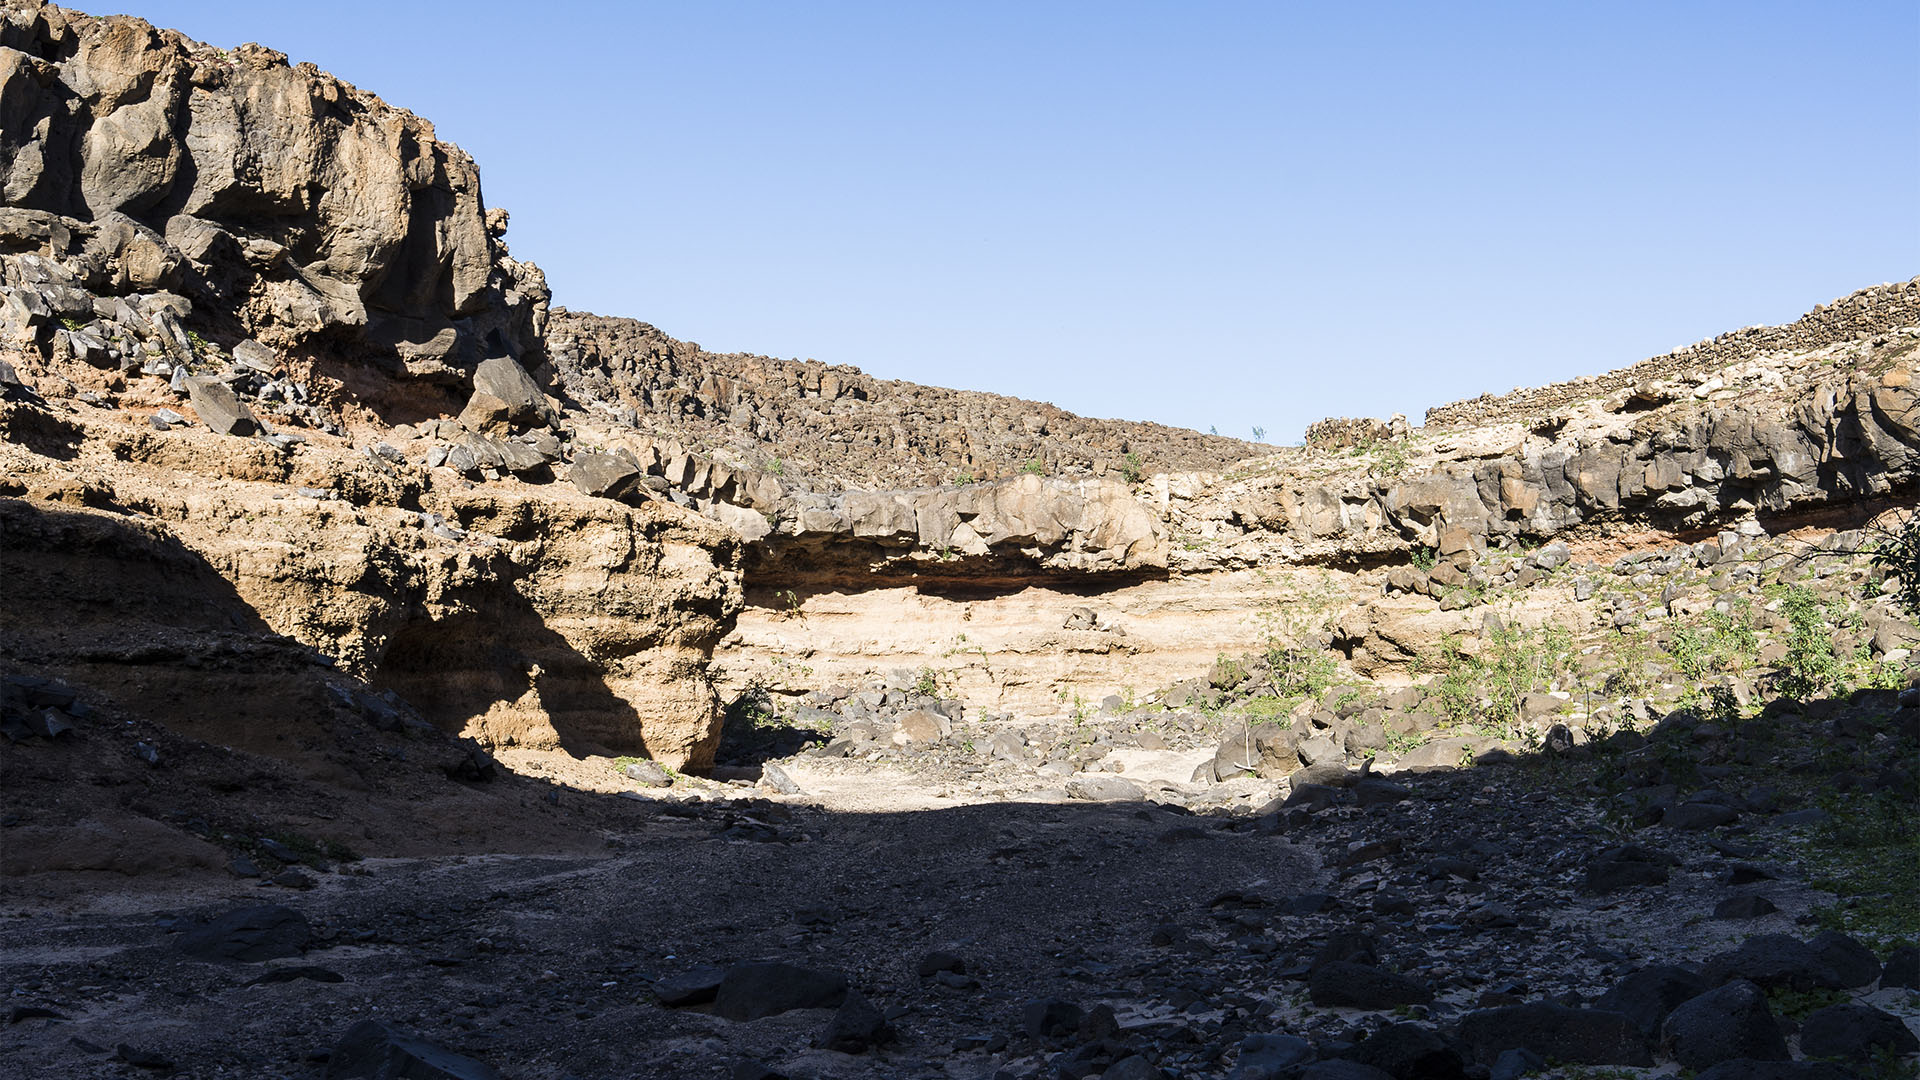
(227, 281)
(285, 204)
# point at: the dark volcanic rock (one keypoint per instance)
(1772, 960)
(753, 991)
(1903, 968)
(1730, 1022)
(1853, 962)
(1363, 986)
(855, 1028)
(1409, 1050)
(1648, 995)
(220, 408)
(1580, 1036)
(1049, 1018)
(1854, 1032)
(1517, 1063)
(371, 1050)
(695, 987)
(938, 961)
(605, 475)
(263, 932)
(1623, 868)
(1271, 1057)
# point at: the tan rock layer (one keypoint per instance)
(545, 618)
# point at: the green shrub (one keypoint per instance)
(1810, 666)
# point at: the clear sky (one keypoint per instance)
(1205, 214)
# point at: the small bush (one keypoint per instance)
(1810, 666)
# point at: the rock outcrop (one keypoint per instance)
(1765, 437)
(193, 237)
(286, 204)
(831, 426)
(533, 617)
(1033, 528)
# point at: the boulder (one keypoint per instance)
(1731, 1021)
(370, 1050)
(1648, 995)
(1410, 1050)
(1855, 1032)
(1556, 1032)
(753, 991)
(1775, 960)
(1271, 1057)
(605, 476)
(855, 1028)
(220, 408)
(696, 986)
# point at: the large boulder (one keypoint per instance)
(1555, 1032)
(753, 991)
(1732, 1021)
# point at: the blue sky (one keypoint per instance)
(1205, 214)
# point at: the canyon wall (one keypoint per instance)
(265, 316)
(228, 283)
(1318, 545)
(288, 205)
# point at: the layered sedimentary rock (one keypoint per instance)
(523, 617)
(224, 280)
(537, 531)
(1767, 434)
(1373, 543)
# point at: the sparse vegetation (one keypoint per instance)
(1489, 687)
(1810, 666)
(928, 683)
(1896, 551)
(1131, 468)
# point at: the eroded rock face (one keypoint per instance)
(275, 192)
(1040, 525)
(1764, 438)
(522, 616)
